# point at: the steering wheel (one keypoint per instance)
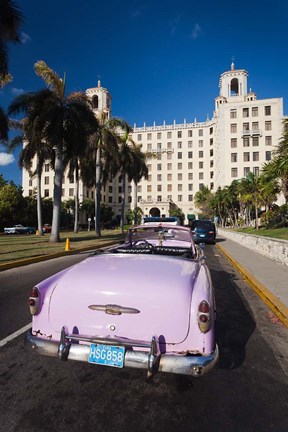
(142, 244)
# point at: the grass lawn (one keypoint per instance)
(18, 247)
(277, 233)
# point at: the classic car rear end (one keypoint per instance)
(132, 306)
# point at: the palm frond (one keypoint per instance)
(51, 78)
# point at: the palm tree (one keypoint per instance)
(140, 170)
(4, 122)
(59, 118)
(202, 201)
(10, 21)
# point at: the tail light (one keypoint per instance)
(204, 320)
(34, 301)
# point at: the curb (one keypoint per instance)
(280, 310)
(40, 258)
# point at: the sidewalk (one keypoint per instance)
(268, 278)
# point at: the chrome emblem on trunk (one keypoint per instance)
(112, 309)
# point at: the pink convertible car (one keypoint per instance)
(147, 303)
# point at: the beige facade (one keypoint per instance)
(182, 158)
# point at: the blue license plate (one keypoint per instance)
(107, 355)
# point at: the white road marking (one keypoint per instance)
(15, 334)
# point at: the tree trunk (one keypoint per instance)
(135, 203)
(98, 192)
(55, 231)
(123, 203)
(39, 200)
(76, 210)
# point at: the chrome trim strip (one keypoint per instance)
(192, 365)
(113, 309)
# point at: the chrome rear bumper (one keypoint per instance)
(152, 360)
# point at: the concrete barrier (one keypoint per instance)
(271, 248)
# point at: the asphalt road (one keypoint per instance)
(248, 391)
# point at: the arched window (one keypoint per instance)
(95, 102)
(234, 91)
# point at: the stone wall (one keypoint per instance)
(271, 248)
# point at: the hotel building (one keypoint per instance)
(183, 158)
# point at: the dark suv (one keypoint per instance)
(203, 231)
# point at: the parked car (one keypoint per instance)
(147, 303)
(203, 231)
(47, 228)
(20, 229)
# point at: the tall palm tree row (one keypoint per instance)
(57, 121)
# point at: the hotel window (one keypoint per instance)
(110, 189)
(169, 166)
(30, 192)
(119, 189)
(149, 166)
(110, 199)
(139, 198)
(46, 180)
(179, 166)
(234, 172)
(30, 182)
(211, 164)
(268, 125)
(46, 193)
(200, 165)
(169, 135)
(190, 176)
(233, 128)
(180, 198)
(190, 197)
(159, 177)
(246, 171)
(190, 165)
(47, 167)
(200, 143)
(149, 136)
(149, 177)
(267, 110)
(190, 144)
(245, 112)
(169, 177)
(179, 155)
(233, 157)
(211, 174)
(190, 155)
(159, 188)
(169, 156)
(233, 113)
(71, 179)
(169, 187)
(256, 171)
(211, 141)
(201, 186)
(255, 156)
(201, 176)
(179, 176)
(119, 200)
(179, 144)
(211, 130)
(139, 188)
(268, 156)
(211, 152)
(211, 186)
(255, 126)
(268, 140)
(179, 187)
(201, 154)
(169, 197)
(200, 132)
(159, 156)
(179, 134)
(190, 186)
(246, 157)
(149, 147)
(255, 141)
(159, 198)
(233, 142)
(254, 111)
(159, 167)
(158, 135)
(169, 145)
(246, 142)
(139, 137)
(71, 192)
(159, 146)
(245, 127)
(190, 133)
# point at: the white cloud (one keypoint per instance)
(6, 159)
(196, 32)
(24, 37)
(16, 91)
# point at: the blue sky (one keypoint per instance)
(160, 60)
